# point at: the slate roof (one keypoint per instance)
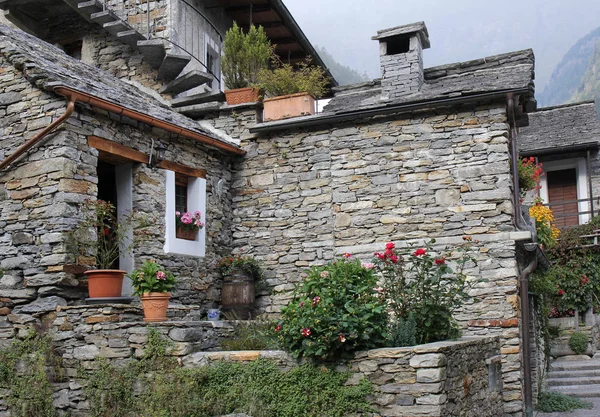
(559, 127)
(511, 71)
(47, 67)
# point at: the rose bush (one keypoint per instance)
(426, 286)
(335, 311)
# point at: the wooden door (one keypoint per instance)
(562, 197)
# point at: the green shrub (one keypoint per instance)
(550, 402)
(244, 55)
(286, 79)
(425, 286)
(578, 342)
(334, 312)
(403, 332)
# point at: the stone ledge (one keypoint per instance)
(436, 347)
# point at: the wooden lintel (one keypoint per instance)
(127, 154)
(115, 148)
(182, 169)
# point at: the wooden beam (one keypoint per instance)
(127, 154)
(115, 148)
(182, 169)
(256, 8)
(266, 25)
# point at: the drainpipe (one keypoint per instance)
(37, 138)
(524, 275)
(525, 316)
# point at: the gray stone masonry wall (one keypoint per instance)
(440, 379)
(106, 52)
(302, 197)
(40, 193)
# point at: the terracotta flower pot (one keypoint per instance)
(242, 95)
(104, 283)
(155, 305)
(186, 234)
(285, 107)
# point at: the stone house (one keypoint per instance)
(565, 140)
(420, 153)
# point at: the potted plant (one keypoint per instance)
(98, 240)
(240, 276)
(153, 284)
(244, 55)
(187, 225)
(292, 90)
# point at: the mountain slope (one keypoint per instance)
(568, 76)
(590, 85)
(342, 73)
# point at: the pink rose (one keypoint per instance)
(161, 275)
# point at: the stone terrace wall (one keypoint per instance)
(440, 379)
(304, 196)
(40, 193)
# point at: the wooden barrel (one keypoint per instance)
(237, 295)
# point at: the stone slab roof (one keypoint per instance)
(402, 30)
(47, 67)
(559, 127)
(510, 71)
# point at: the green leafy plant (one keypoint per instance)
(425, 286)
(403, 332)
(101, 236)
(286, 79)
(151, 277)
(551, 402)
(334, 312)
(258, 388)
(27, 368)
(248, 264)
(578, 342)
(244, 55)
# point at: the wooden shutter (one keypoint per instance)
(562, 188)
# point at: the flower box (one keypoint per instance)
(291, 105)
(186, 234)
(243, 95)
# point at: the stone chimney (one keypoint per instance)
(401, 59)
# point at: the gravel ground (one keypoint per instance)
(595, 412)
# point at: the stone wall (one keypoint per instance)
(304, 196)
(440, 379)
(40, 193)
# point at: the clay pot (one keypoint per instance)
(103, 283)
(243, 95)
(155, 305)
(291, 105)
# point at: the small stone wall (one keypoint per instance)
(440, 379)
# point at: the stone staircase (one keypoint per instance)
(578, 378)
(170, 65)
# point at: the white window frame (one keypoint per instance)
(196, 194)
(582, 182)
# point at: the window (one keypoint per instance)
(189, 192)
(181, 191)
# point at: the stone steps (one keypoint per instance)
(206, 97)
(169, 65)
(578, 378)
(189, 80)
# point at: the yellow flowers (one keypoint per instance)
(547, 232)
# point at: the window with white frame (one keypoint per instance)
(565, 188)
(188, 192)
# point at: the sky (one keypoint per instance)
(459, 30)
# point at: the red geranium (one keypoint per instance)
(390, 245)
(440, 261)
